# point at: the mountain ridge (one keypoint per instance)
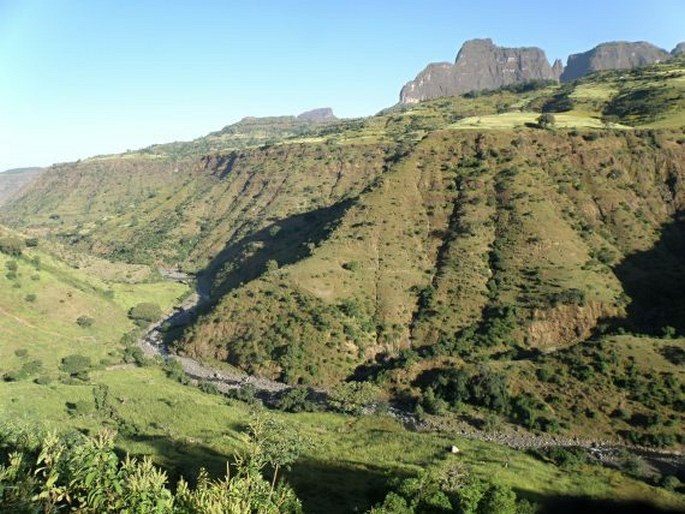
(481, 65)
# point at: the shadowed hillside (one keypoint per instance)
(654, 280)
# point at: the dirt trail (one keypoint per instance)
(28, 324)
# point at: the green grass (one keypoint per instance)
(348, 465)
(513, 120)
(46, 327)
(362, 453)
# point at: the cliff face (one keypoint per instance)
(480, 64)
(612, 56)
(679, 49)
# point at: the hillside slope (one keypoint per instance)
(12, 181)
(456, 234)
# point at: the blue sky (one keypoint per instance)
(85, 77)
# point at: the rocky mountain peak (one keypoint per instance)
(318, 115)
(615, 55)
(679, 49)
(480, 64)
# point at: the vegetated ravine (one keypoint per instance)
(451, 245)
(154, 343)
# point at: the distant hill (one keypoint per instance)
(11, 181)
(318, 115)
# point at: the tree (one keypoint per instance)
(274, 444)
(546, 120)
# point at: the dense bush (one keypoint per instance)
(84, 321)
(76, 366)
(563, 457)
(48, 473)
(546, 120)
(145, 312)
(12, 246)
(454, 386)
(133, 354)
(453, 490)
(174, 370)
(353, 397)
(297, 399)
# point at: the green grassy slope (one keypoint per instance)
(351, 460)
(42, 301)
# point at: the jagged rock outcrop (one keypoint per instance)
(480, 64)
(679, 49)
(318, 115)
(612, 56)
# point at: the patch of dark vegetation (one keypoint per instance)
(641, 105)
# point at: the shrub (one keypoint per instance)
(78, 408)
(30, 298)
(145, 312)
(174, 370)
(546, 120)
(246, 393)
(207, 387)
(32, 367)
(571, 296)
(351, 266)
(271, 266)
(133, 354)
(498, 499)
(296, 399)
(76, 366)
(353, 397)
(13, 376)
(84, 321)
(563, 457)
(670, 482)
(11, 246)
